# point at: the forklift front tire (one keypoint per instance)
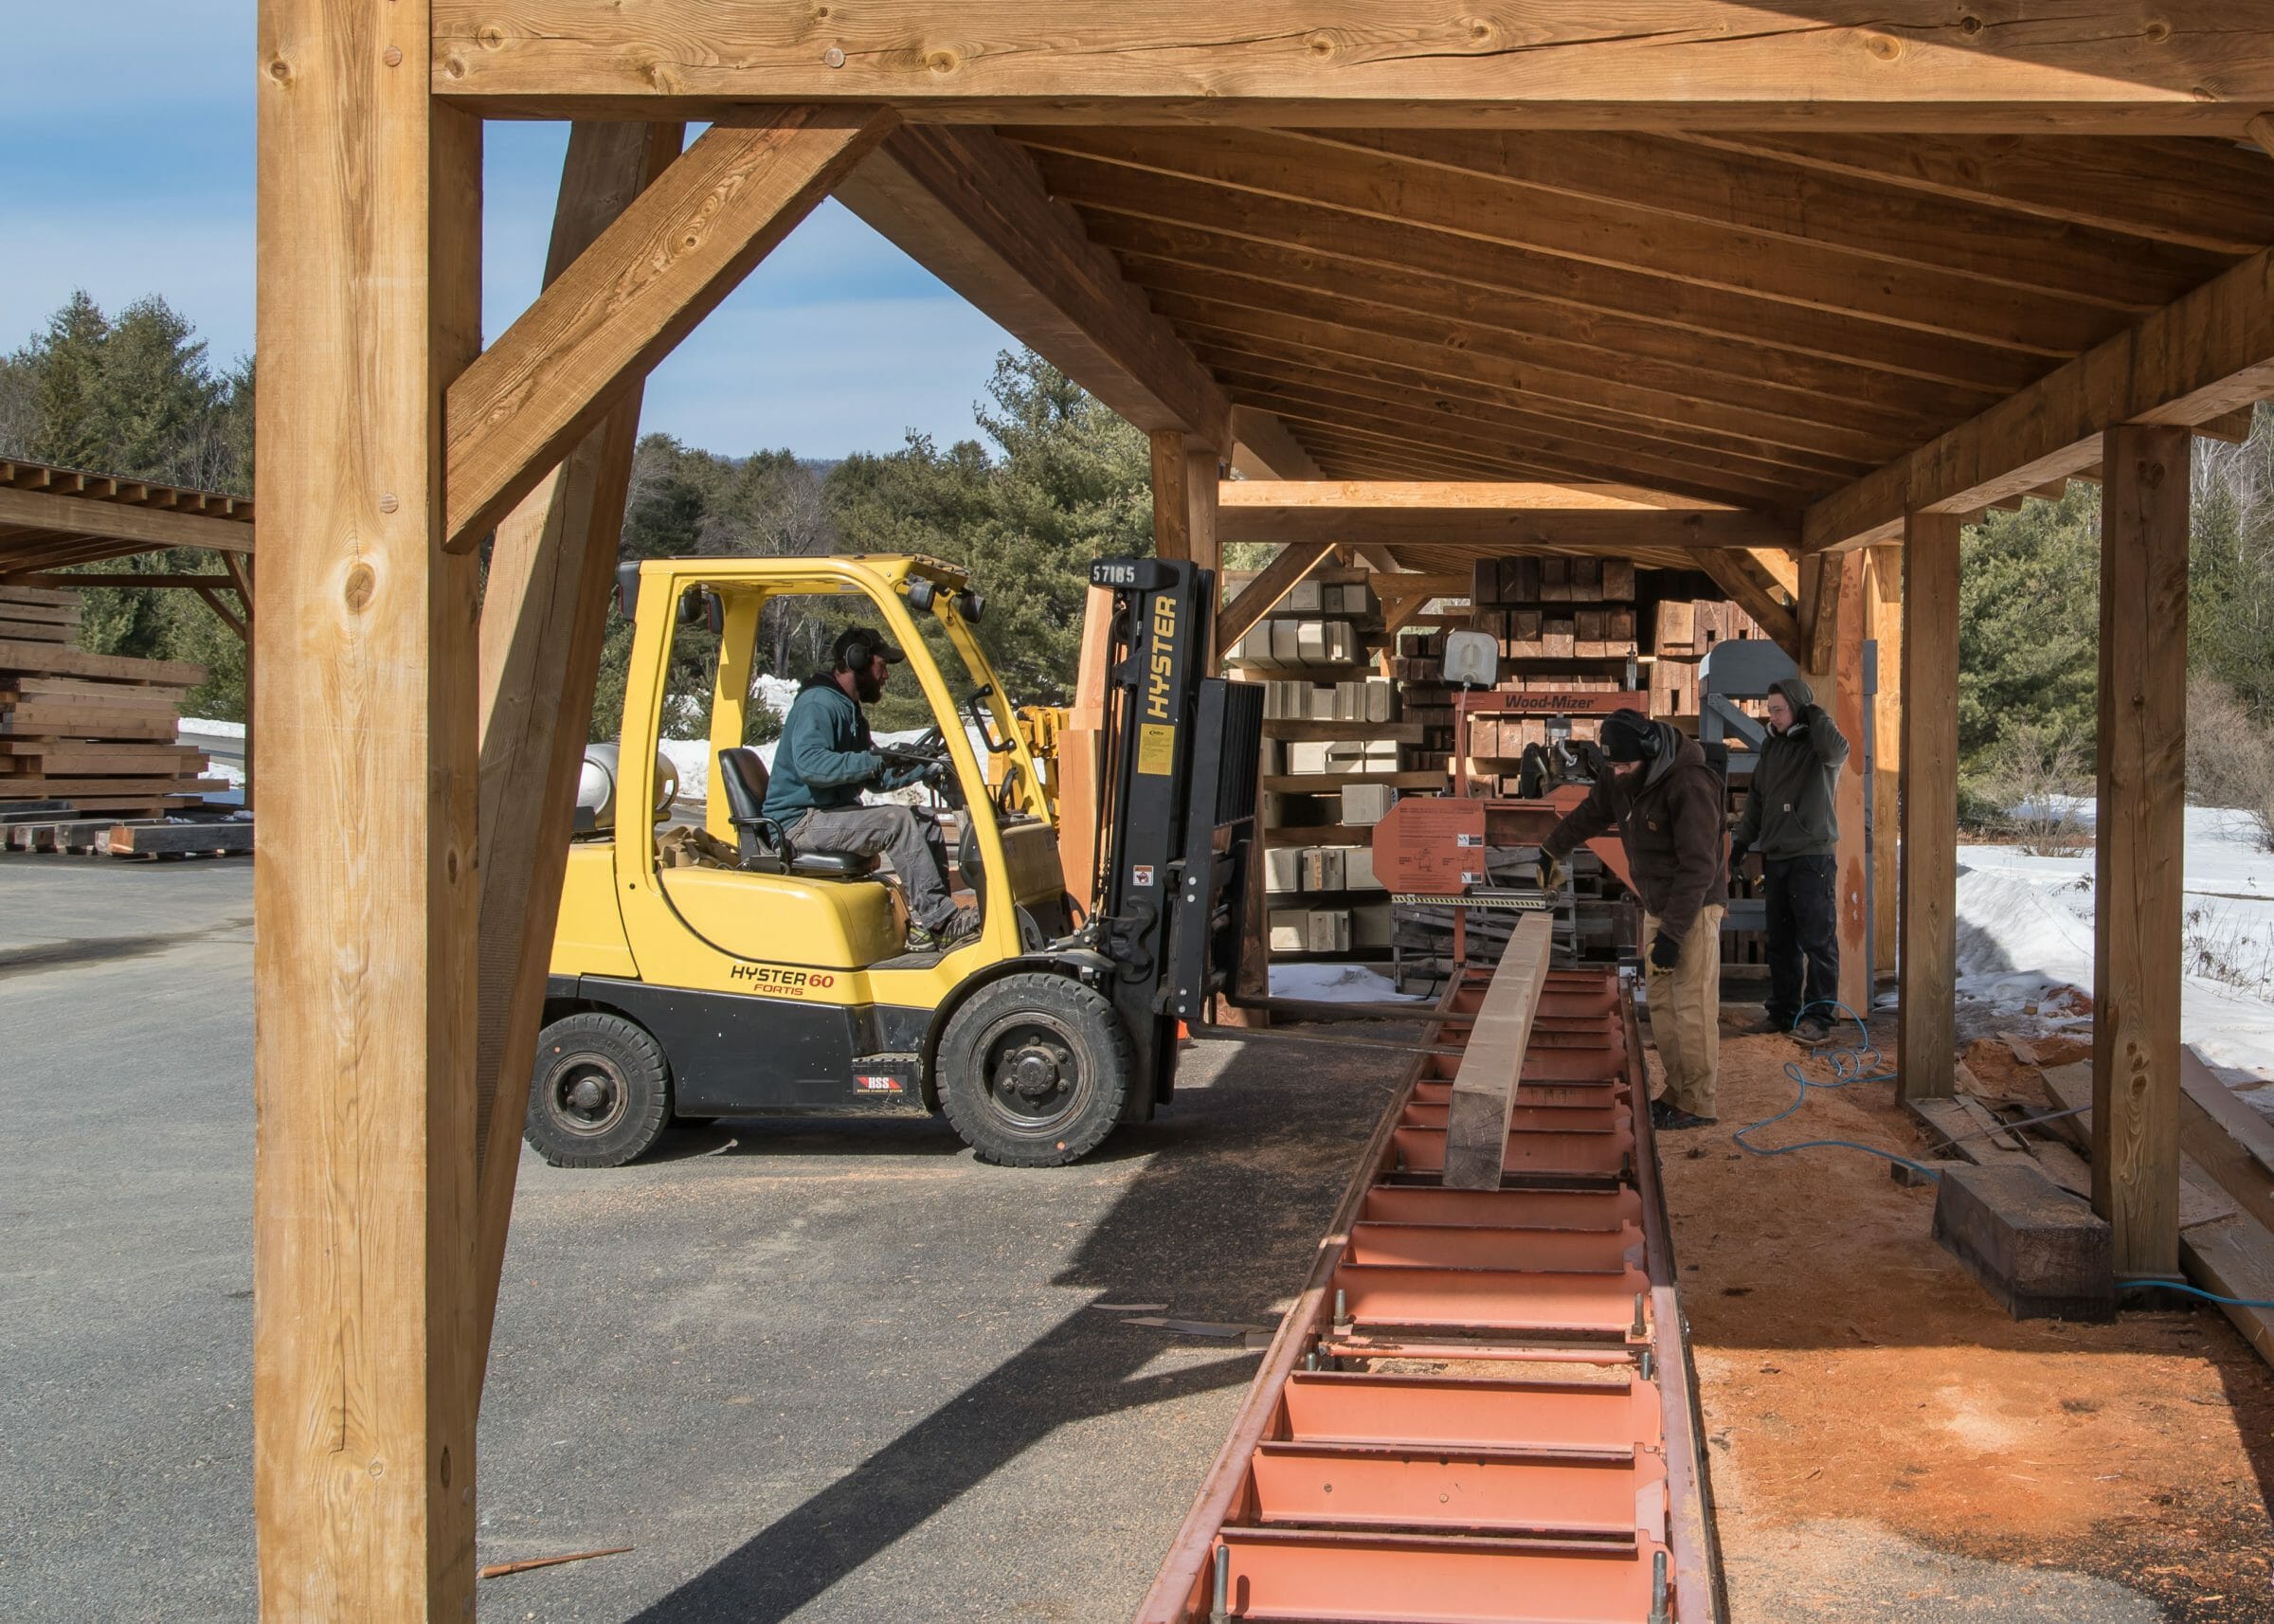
(600, 1093)
(1034, 1070)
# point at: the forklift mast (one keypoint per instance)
(1180, 756)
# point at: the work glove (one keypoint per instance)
(1738, 851)
(1665, 951)
(1551, 873)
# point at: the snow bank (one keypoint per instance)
(1337, 984)
(206, 724)
(2026, 924)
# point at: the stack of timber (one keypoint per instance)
(1336, 752)
(1686, 632)
(94, 732)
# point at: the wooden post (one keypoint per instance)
(1883, 607)
(1843, 699)
(1172, 502)
(1928, 905)
(544, 617)
(363, 1195)
(2139, 847)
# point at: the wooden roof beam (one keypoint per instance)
(1759, 197)
(1506, 529)
(1261, 595)
(1798, 281)
(1428, 310)
(1582, 289)
(644, 284)
(84, 517)
(1736, 573)
(2122, 66)
(2206, 355)
(1263, 449)
(971, 209)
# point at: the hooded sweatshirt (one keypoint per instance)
(1668, 811)
(825, 757)
(1789, 809)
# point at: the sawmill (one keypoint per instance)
(1459, 1064)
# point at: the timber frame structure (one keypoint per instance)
(1790, 286)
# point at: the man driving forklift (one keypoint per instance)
(826, 758)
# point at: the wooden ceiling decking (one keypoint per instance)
(52, 518)
(1756, 319)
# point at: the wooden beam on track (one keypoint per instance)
(970, 207)
(2119, 66)
(643, 285)
(2208, 354)
(1484, 1089)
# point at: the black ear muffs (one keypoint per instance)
(858, 654)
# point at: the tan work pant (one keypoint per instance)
(1686, 1011)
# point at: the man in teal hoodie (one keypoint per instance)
(1789, 820)
(825, 758)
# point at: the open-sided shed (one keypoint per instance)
(1790, 286)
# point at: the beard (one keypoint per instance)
(870, 686)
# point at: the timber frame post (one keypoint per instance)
(544, 617)
(2139, 845)
(364, 1381)
(1927, 916)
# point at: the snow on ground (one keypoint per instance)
(1336, 984)
(2025, 933)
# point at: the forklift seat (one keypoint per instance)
(766, 848)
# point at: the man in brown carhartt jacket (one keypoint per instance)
(1667, 807)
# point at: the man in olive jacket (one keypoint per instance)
(1789, 819)
(1666, 802)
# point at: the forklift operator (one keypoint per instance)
(824, 762)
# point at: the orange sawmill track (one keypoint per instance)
(1480, 1408)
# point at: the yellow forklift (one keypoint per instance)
(757, 978)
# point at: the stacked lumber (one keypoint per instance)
(1687, 631)
(94, 730)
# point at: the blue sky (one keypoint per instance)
(126, 168)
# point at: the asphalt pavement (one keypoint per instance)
(820, 1370)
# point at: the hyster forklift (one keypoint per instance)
(765, 978)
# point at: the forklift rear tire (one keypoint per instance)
(1034, 1070)
(600, 1094)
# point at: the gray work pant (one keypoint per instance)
(903, 836)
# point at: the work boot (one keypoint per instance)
(952, 931)
(1768, 1023)
(1666, 1115)
(1813, 1030)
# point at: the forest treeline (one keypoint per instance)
(1049, 479)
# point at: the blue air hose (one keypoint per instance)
(1859, 1063)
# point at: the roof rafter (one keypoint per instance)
(1402, 247)
(969, 207)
